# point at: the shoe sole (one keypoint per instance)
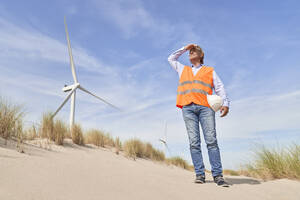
(224, 185)
(199, 182)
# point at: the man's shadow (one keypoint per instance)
(248, 181)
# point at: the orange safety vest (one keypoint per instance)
(193, 89)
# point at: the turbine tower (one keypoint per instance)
(164, 141)
(72, 88)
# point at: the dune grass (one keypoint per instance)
(11, 120)
(118, 145)
(95, 137)
(179, 162)
(109, 140)
(274, 163)
(60, 130)
(77, 135)
(31, 133)
(154, 154)
(47, 125)
(53, 130)
(135, 148)
(102, 139)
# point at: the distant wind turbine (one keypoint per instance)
(164, 141)
(72, 88)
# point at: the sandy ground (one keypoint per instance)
(73, 172)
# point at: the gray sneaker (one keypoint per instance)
(219, 180)
(200, 179)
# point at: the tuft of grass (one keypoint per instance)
(59, 130)
(77, 136)
(153, 153)
(118, 145)
(68, 133)
(11, 120)
(95, 137)
(102, 139)
(47, 126)
(109, 141)
(31, 133)
(293, 160)
(53, 130)
(20, 141)
(134, 148)
(137, 149)
(275, 163)
(179, 162)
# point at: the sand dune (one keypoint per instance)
(73, 172)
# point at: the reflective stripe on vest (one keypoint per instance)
(193, 89)
(196, 81)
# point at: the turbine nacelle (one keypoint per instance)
(68, 88)
(163, 141)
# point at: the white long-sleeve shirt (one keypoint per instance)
(218, 84)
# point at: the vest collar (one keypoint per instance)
(197, 66)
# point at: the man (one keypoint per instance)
(195, 82)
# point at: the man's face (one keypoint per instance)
(194, 55)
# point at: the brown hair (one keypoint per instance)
(200, 52)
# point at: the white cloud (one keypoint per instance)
(21, 43)
(129, 16)
(252, 115)
(133, 19)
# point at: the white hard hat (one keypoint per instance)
(215, 102)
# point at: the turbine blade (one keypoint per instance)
(168, 149)
(64, 102)
(99, 98)
(165, 130)
(70, 54)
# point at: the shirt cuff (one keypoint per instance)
(226, 103)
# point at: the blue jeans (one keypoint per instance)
(192, 115)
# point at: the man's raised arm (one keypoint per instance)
(173, 60)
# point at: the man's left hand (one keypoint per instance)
(224, 110)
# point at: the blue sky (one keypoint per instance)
(120, 50)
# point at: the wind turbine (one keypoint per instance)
(164, 140)
(72, 88)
